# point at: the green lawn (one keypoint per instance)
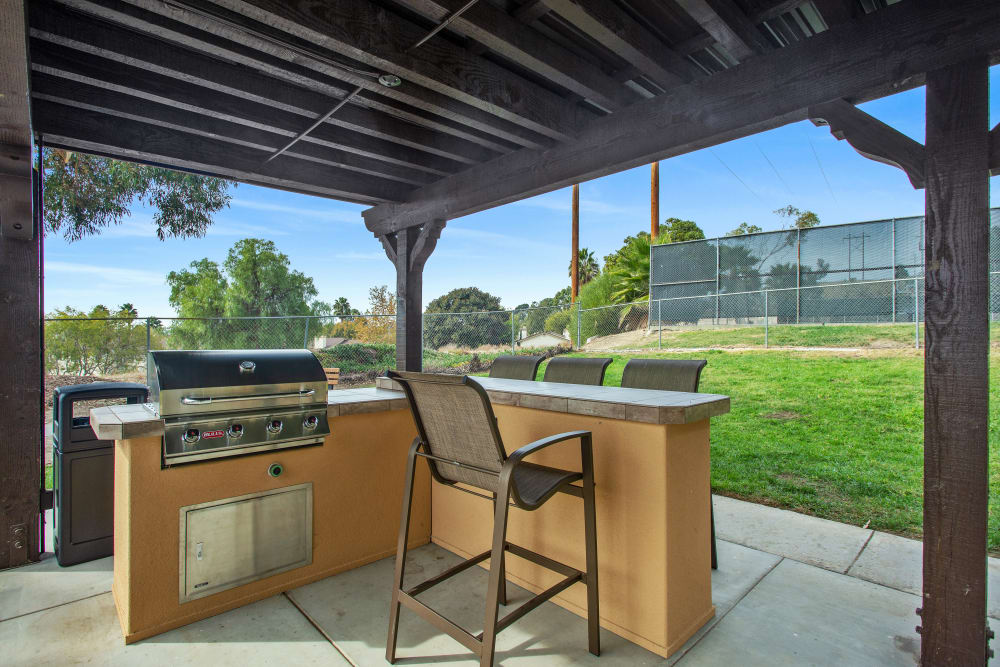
(837, 436)
(830, 335)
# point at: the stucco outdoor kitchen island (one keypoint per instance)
(651, 463)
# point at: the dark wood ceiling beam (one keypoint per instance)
(235, 105)
(728, 25)
(871, 138)
(622, 35)
(498, 31)
(758, 12)
(129, 139)
(835, 12)
(531, 11)
(735, 103)
(381, 40)
(174, 117)
(137, 55)
(414, 103)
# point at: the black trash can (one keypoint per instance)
(83, 470)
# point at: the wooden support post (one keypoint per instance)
(654, 200)
(409, 249)
(20, 305)
(574, 262)
(956, 366)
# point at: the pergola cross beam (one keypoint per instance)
(872, 138)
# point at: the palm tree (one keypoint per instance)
(587, 265)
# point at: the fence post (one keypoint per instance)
(765, 318)
(718, 267)
(305, 335)
(579, 325)
(512, 339)
(659, 324)
(148, 336)
(916, 314)
(798, 273)
(894, 276)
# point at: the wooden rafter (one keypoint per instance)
(738, 102)
(75, 46)
(835, 12)
(498, 31)
(622, 35)
(871, 137)
(381, 40)
(728, 25)
(234, 44)
(133, 139)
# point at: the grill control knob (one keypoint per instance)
(192, 435)
(310, 422)
(274, 426)
(235, 430)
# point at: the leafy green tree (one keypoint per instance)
(477, 320)
(342, 308)
(587, 266)
(107, 342)
(254, 281)
(533, 320)
(743, 229)
(799, 219)
(675, 230)
(85, 194)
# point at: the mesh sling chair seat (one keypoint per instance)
(577, 370)
(511, 367)
(669, 375)
(459, 439)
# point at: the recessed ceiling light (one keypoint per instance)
(390, 80)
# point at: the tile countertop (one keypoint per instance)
(120, 422)
(639, 405)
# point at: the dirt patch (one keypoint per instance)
(82, 408)
(886, 344)
(784, 415)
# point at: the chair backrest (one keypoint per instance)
(515, 368)
(576, 370)
(664, 374)
(455, 421)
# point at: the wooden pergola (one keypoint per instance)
(429, 110)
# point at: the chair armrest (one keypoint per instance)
(517, 456)
(506, 488)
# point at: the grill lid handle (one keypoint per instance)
(195, 400)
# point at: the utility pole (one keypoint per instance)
(654, 201)
(575, 260)
(850, 246)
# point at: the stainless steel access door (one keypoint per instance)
(234, 541)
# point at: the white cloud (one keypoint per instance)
(243, 230)
(560, 201)
(361, 255)
(108, 274)
(332, 215)
(496, 238)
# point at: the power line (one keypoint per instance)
(821, 170)
(736, 176)
(773, 168)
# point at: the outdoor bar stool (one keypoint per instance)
(458, 435)
(513, 367)
(669, 375)
(577, 370)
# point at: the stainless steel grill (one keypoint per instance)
(217, 403)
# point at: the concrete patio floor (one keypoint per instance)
(790, 590)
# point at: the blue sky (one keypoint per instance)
(518, 252)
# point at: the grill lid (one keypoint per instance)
(189, 381)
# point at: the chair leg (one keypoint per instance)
(590, 535)
(503, 567)
(404, 529)
(711, 513)
(493, 593)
